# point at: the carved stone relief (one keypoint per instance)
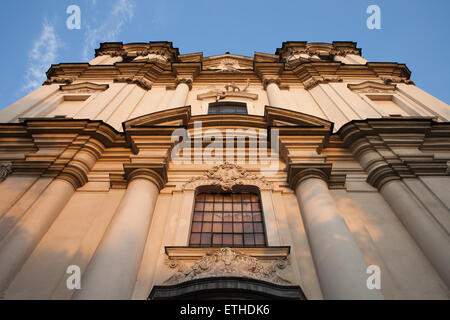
(229, 90)
(226, 176)
(227, 262)
(5, 170)
(227, 65)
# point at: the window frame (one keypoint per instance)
(222, 105)
(197, 224)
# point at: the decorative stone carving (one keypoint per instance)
(62, 80)
(227, 65)
(393, 79)
(226, 176)
(187, 79)
(344, 52)
(226, 262)
(158, 54)
(229, 90)
(111, 52)
(5, 170)
(306, 53)
(268, 79)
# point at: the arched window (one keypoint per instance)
(228, 220)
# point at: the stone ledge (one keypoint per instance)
(193, 253)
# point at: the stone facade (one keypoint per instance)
(87, 176)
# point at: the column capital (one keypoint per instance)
(269, 72)
(185, 72)
(269, 79)
(186, 79)
(301, 172)
(156, 174)
(373, 142)
(77, 170)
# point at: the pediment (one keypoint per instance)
(172, 117)
(227, 63)
(273, 117)
(278, 117)
(372, 87)
(83, 87)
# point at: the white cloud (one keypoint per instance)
(41, 56)
(122, 12)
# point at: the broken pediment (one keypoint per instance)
(171, 117)
(282, 117)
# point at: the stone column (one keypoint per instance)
(426, 231)
(274, 93)
(112, 271)
(181, 92)
(339, 263)
(20, 242)
(429, 235)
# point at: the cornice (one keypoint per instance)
(375, 143)
(162, 48)
(314, 65)
(301, 50)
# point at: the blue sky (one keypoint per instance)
(34, 33)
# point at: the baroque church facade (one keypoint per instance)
(310, 173)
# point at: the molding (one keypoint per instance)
(220, 94)
(84, 87)
(227, 262)
(226, 176)
(193, 253)
(394, 79)
(226, 288)
(375, 143)
(372, 87)
(63, 80)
